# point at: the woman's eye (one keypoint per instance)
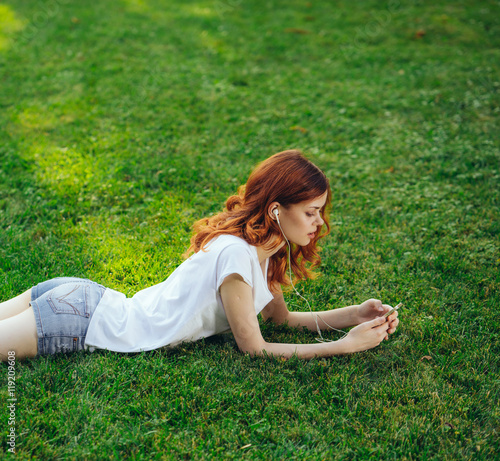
(310, 214)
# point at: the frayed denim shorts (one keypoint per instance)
(63, 308)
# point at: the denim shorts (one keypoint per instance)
(63, 308)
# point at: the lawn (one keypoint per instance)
(122, 122)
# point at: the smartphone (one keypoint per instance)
(392, 310)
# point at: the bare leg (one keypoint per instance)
(19, 334)
(15, 305)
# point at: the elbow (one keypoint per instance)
(264, 349)
(257, 349)
(275, 313)
(277, 318)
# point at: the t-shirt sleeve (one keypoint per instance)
(234, 259)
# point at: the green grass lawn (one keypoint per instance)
(121, 122)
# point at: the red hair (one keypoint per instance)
(287, 178)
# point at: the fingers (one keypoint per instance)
(393, 323)
(370, 308)
(392, 326)
(377, 329)
(386, 307)
(377, 322)
(366, 336)
(379, 326)
(384, 326)
(377, 304)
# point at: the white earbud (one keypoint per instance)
(276, 213)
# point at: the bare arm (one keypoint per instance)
(277, 311)
(238, 304)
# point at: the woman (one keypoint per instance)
(236, 272)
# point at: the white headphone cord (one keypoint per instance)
(314, 314)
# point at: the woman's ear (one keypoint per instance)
(273, 210)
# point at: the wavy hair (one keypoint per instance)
(287, 178)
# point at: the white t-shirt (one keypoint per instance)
(185, 307)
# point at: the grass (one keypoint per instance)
(123, 122)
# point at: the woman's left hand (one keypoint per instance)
(372, 308)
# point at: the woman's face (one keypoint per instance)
(300, 222)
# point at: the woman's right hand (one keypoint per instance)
(367, 335)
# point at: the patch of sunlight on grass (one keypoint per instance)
(202, 11)
(139, 247)
(212, 43)
(35, 119)
(137, 6)
(9, 25)
(64, 169)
